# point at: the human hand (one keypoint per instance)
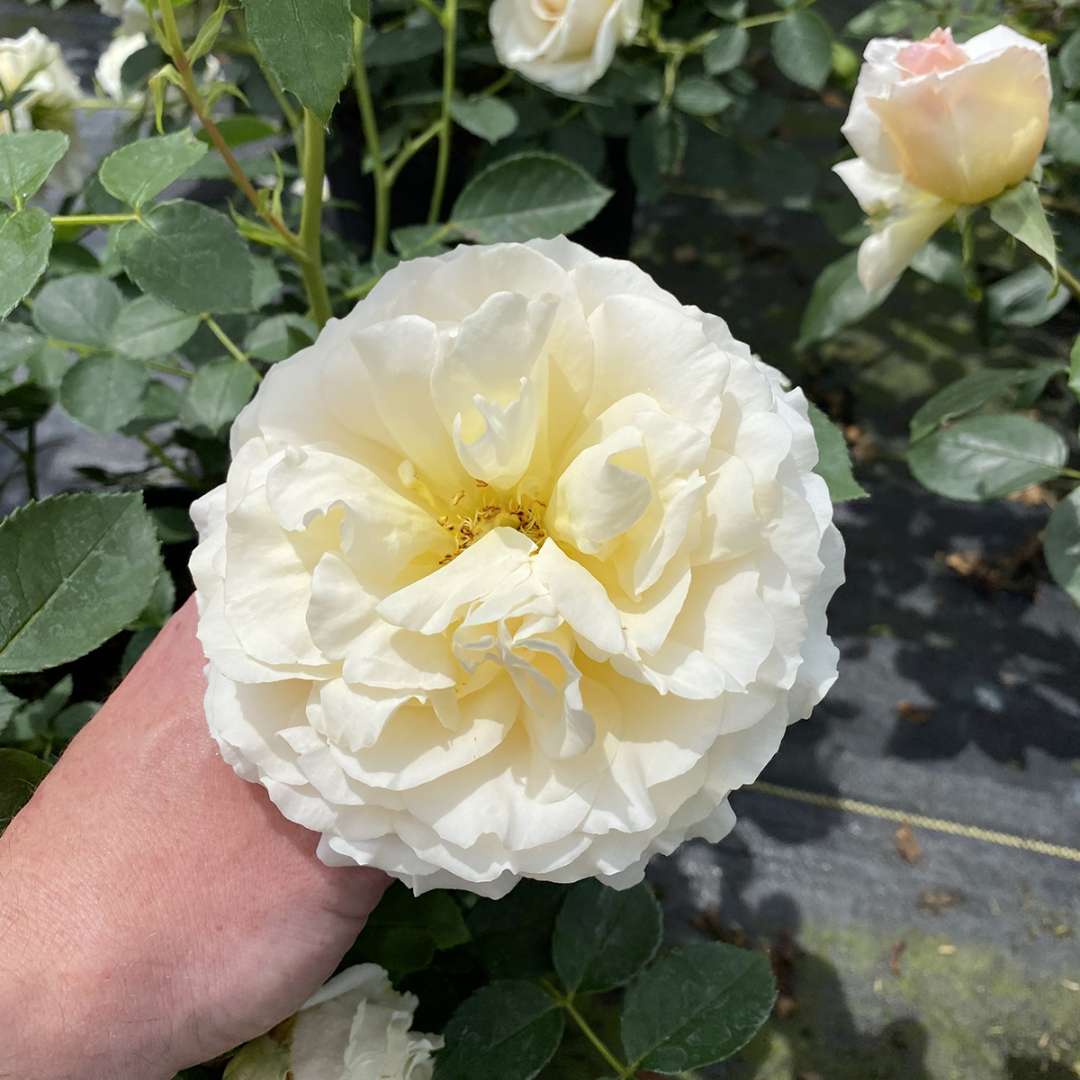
(156, 910)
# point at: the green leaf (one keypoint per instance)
(604, 937)
(217, 393)
(1062, 544)
(513, 935)
(402, 46)
(20, 774)
(1026, 298)
(70, 721)
(838, 300)
(404, 932)
(307, 46)
(1063, 140)
(657, 149)
(33, 720)
(173, 525)
(279, 337)
(834, 461)
(9, 705)
(695, 1006)
(104, 392)
(986, 457)
(1069, 60)
(25, 239)
(964, 396)
(727, 50)
(80, 308)
(148, 328)
(1074, 368)
(74, 570)
(17, 345)
(1019, 211)
(699, 96)
(525, 196)
(160, 605)
(508, 1030)
(241, 129)
(802, 48)
(488, 118)
(190, 256)
(26, 159)
(142, 170)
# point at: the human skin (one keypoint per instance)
(156, 910)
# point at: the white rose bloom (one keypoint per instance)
(133, 16)
(937, 126)
(110, 65)
(356, 1027)
(518, 571)
(34, 65)
(564, 44)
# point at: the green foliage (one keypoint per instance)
(1062, 544)
(986, 457)
(489, 118)
(26, 159)
(147, 327)
(838, 300)
(834, 461)
(604, 937)
(308, 47)
(74, 570)
(217, 393)
(104, 392)
(189, 256)
(25, 239)
(79, 308)
(509, 1030)
(1019, 211)
(802, 48)
(697, 1005)
(526, 196)
(140, 171)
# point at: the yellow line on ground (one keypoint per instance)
(917, 821)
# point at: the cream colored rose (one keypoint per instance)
(564, 44)
(33, 66)
(356, 1027)
(937, 126)
(518, 571)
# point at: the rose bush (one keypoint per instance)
(519, 570)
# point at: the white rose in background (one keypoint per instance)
(110, 67)
(519, 571)
(32, 66)
(133, 15)
(564, 44)
(356, 1027)
(937, 126)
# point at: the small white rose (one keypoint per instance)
(518, 571)
(356, 1027)
(564, 44)
(33, 66)
(937, 126)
